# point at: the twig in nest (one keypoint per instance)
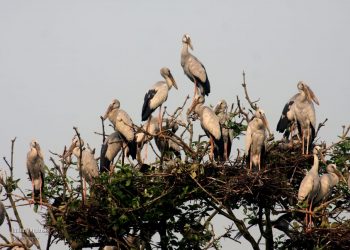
(251, 103)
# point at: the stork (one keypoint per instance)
(86, 161)
(36, 171)
(227, 133)
(210, 123)
(309, 187)
(327, 182)
(109, 150)
(123, 124)
(193, 68)
(256, 139)
(157, 95)
(305, 114)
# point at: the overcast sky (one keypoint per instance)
(62, 62)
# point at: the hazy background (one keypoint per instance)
(62, 63)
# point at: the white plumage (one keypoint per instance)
(123, 124)
(310, 185)
(327, 182)
(210, 123)
(193, 68)
(256, 138)
(305, 114)
(158, 94)
(35, 167)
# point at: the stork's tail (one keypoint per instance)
(104, 161)
(219, 150)
(132, 145)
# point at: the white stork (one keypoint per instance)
(193, 68)
(256, 138)
(36, 171)
(210, 123)
(123, 124)
(157, 95)
(309, 186)
(305, 115)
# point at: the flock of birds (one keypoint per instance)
(298, 117)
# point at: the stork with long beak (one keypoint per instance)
(36, 171)
(193, 68)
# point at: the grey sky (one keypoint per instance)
(62, 62)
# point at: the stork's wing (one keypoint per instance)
(197, 69)
(146, 109)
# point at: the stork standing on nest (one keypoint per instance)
(305, 115)
(211, 125)
(227, 133)
(309, 187)
(157, 95)
(193, 68)
(35, 167)
(123, 124)
(88, 163)
(256, 139)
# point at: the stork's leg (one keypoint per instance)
(160, 118)
(302, 143)
(225, 151)
(250, 161)
(259, 158)
(41, 200)
(211, 148)
(84, 190)
(32, 191)
(146, 153)
(308, 140)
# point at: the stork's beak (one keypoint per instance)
(340, 175)
(311, 96)
(266, 123)
(172, 80)
(194, 104)
(70, 150)
(109, 109)
(189, 42)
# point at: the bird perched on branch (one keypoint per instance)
(36, 170)
(111, 146)
(88, 163)
(310, 186)
(193, 68)
(227, 133)
(256, 139)
(157, 95)
(123, 124)
(305, 115)
(210, 123)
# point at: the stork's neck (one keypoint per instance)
(199, 109)
(184, 51)
(112, 116)
(168, 82)
(315, 166)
